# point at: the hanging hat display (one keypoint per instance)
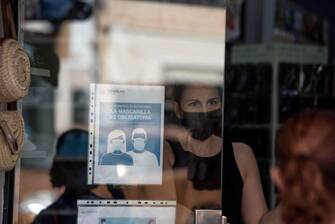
(14, 85)
(11, 138)
(15, 71)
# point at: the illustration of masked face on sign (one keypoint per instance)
(116, 148)
(139, 144)
(115, 145)
(139, 138)
(141, 155)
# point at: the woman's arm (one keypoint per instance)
(273, 216)
(253, 201)
(166, 191)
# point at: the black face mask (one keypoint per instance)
(202, 124)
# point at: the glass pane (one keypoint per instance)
(124, 113)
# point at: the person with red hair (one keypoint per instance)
(305, 174)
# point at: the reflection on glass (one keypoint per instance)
(68, 171)
(208, 217)
(36, 207)
(195, 140)
(207, 169)
(37, 202)
(121, 170)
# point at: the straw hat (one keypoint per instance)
(15, 71)
(11, 139)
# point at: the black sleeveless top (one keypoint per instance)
(205, 175)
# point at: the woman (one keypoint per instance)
(305, 175)
(197, 145)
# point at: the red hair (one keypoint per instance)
(305, 147)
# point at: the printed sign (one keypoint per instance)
(126, 212)
(126, 134)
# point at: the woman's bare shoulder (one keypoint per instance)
(245, 158)
(243, 150)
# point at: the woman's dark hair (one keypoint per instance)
(178, 91)
(305, 147)
(70, 163)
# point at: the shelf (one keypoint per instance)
(306, 95)
(248, 95)
(251, 126)
(280, 52)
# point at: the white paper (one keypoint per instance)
(126, 212)
(126, 134)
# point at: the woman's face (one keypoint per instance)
(200, 99)
(199, 111)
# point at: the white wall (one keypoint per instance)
(140, 57)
